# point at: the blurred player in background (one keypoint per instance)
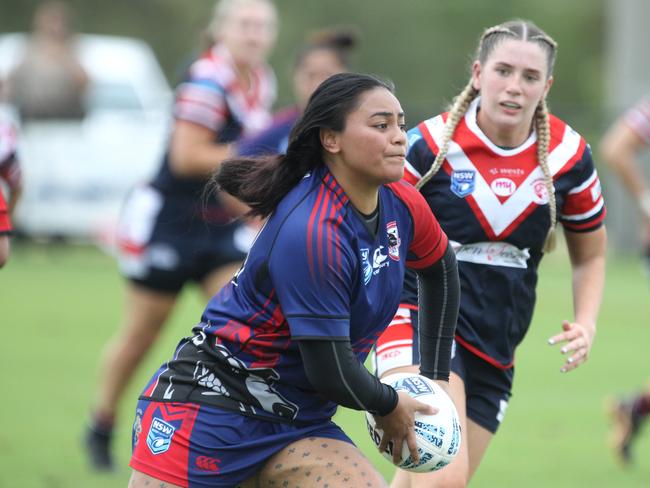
(10, 181)
(248, 399)
(49, 81)
(500, 172)
(324, 54)
(168, 235)
(620, 148)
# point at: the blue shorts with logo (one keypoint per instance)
(197, 446)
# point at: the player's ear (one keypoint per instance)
(476, 75)
(329, 139)
(549, 84)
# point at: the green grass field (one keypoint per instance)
(59, 305)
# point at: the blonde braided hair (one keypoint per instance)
(519, 30)
(456, 113)
(543, 128)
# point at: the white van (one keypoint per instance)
(77, 172)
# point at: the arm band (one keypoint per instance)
(438, 302)
(345, 380)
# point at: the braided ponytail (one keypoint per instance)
(456, 113)
(542, 125)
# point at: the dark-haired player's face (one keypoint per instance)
(512, 81)
(371, 148)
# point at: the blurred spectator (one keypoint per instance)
(323, 54)
(620, 148)
(49, 81)
(10, 177)
(167, 235)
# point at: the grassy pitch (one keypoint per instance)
(59, 305)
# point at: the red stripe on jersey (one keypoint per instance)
(5, 221)
(310, 231)
(410, 177)
(482, 355)
(319, 236)
(269, 341)
(326, 224)
(429, 241)
(592, 224)
(583, 201)
(259, 312)
(131, 248)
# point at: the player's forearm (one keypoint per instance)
(588, 276)
(193, 151)
(336, 373)
(439, 299)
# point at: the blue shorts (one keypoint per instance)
(196, 446)
(487, 387)
(164, 241)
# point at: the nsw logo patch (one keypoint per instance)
(463, 182)
(160, 436)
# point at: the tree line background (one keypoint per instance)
(424, 46)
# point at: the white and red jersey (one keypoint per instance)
(493, 205)
(638, 118)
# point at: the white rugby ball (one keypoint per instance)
(438, 436)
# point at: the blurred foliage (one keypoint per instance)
(424, 46)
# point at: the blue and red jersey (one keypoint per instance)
(493, 205)
(315, 271)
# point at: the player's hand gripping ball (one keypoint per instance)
(438, 436)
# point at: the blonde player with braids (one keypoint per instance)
(500, 171)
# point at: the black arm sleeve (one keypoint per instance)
(438, 297)
(336, 373)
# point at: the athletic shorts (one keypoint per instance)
(488, 388)
(164, 243)
(197, 446)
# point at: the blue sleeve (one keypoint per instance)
(312, 273)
